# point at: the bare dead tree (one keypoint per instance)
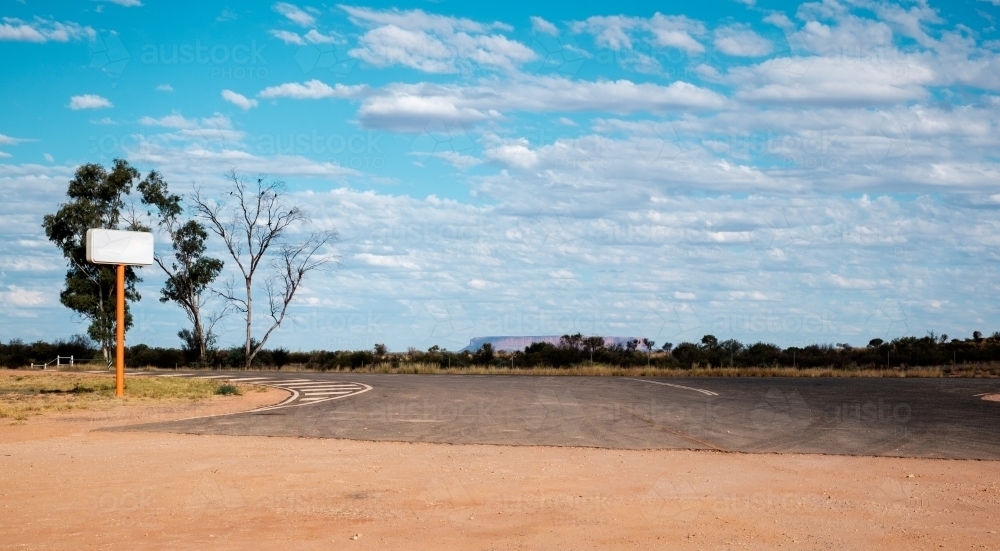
(252, 220)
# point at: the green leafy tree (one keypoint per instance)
(280, 357)
(593, 344)
(649, 344)
(484, 355)
(730, 348)
(96, 200)
(571, 341)
(189, 273)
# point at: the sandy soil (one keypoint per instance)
(65, 486)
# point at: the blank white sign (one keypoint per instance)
(119, 247)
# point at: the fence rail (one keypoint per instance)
(60, 361)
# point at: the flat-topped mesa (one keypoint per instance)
(514, 344)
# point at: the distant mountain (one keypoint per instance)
(513, 344)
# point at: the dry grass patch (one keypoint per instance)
(604, 370)
(23, 394)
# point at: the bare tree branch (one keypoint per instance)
(251, 223)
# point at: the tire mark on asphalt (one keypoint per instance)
(668, 430)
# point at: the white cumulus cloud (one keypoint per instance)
(410, 107)
(434, 43)
(316, 37)
(819, 80)
(89, 101)
(288, 37)
(295, 14)
(540, 25)
(313, 89)
(43, 30)
(741, 41)
(620, 32)
(517, 154)
(239, 100)
(19, 296)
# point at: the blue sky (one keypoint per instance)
(777, 171)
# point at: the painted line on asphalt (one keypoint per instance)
(291, 402)
(701, 390)
(302, 391)
(313, 383)
(312, 388)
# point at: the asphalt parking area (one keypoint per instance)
(941, 418)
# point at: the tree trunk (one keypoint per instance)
(199, 335)
(247, 357)
(105, 349)
(199, 331)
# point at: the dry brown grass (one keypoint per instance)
(599, 370)
(26, 393)
(604, 370)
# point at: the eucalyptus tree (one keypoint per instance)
(648, 344)
(97, 198)
(190, 272)
(593, 344)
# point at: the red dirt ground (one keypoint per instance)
(64, 486)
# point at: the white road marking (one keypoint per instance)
(313, 383)
(298, 399)
(323, 388)
(303, 391)
(701, 390)
(318, 383)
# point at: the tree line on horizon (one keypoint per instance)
(572, 350)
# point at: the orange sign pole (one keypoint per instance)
(120, 330)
